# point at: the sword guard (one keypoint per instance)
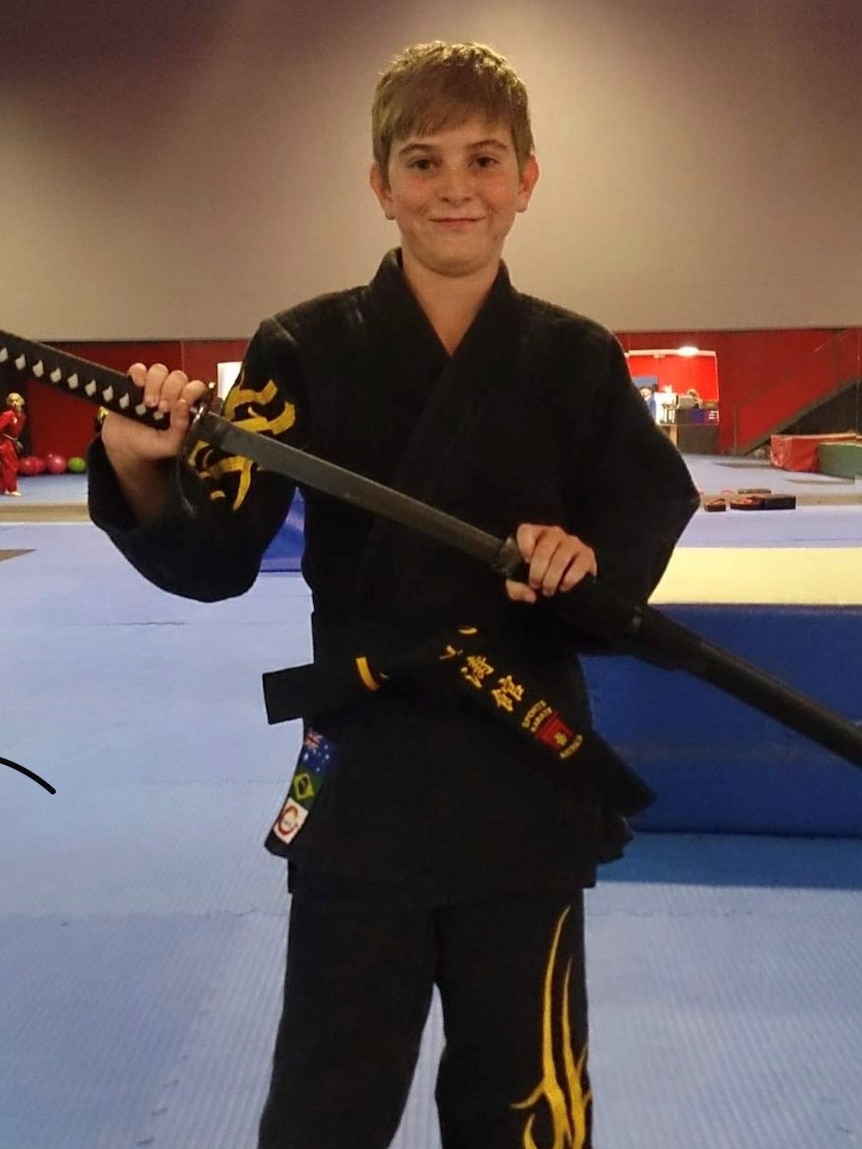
(508, 561)
(209, 403)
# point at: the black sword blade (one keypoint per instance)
(356, 489)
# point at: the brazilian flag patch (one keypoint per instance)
(315, 758)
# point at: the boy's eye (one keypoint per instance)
(486, 161)
(420, 164)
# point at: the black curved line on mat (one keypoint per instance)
(29, 774)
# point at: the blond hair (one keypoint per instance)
(433, 86)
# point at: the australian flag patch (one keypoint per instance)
(315, 759)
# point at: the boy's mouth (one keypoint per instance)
(454, 221)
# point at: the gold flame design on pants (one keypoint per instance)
(565, 1093)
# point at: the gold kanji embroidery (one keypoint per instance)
(508, 692)
(449, 652)
(476, 669)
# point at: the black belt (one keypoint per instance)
(485, 672)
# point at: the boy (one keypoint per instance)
(428, 842)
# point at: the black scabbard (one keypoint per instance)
(646, 633)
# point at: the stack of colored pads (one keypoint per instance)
(750, 499)
(843, 459)
(802, 452)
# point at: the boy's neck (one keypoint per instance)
(451, 303)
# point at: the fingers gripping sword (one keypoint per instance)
(635, 628)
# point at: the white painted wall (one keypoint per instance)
(178, 171)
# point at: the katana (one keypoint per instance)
(633, 628)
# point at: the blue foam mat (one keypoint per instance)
(142, 925)
(719, 765)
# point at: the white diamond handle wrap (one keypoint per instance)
(99, 385)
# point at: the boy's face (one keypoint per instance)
(454, 196)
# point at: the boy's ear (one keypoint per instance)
(380, 187)
(529, 178)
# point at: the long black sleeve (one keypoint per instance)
(223, 511)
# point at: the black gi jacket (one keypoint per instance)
(533, 419)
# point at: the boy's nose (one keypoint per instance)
(455, 186)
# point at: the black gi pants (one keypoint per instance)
(362, 961)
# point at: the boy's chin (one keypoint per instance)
(454, 264)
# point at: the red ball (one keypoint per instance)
(55, 464)
(30, 465)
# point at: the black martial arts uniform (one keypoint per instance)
(437, 833)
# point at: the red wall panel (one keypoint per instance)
(680, 373)
(199, 359)
(764, 377)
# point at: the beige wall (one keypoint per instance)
(173, 170)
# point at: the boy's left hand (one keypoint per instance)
(556, 560)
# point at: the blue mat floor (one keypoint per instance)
(142, 925)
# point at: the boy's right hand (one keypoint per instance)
(127, 441)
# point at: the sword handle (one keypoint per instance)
(99, 385)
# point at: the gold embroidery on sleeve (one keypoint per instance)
(569, 1100)
(265, 411)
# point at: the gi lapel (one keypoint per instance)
(450, 412)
